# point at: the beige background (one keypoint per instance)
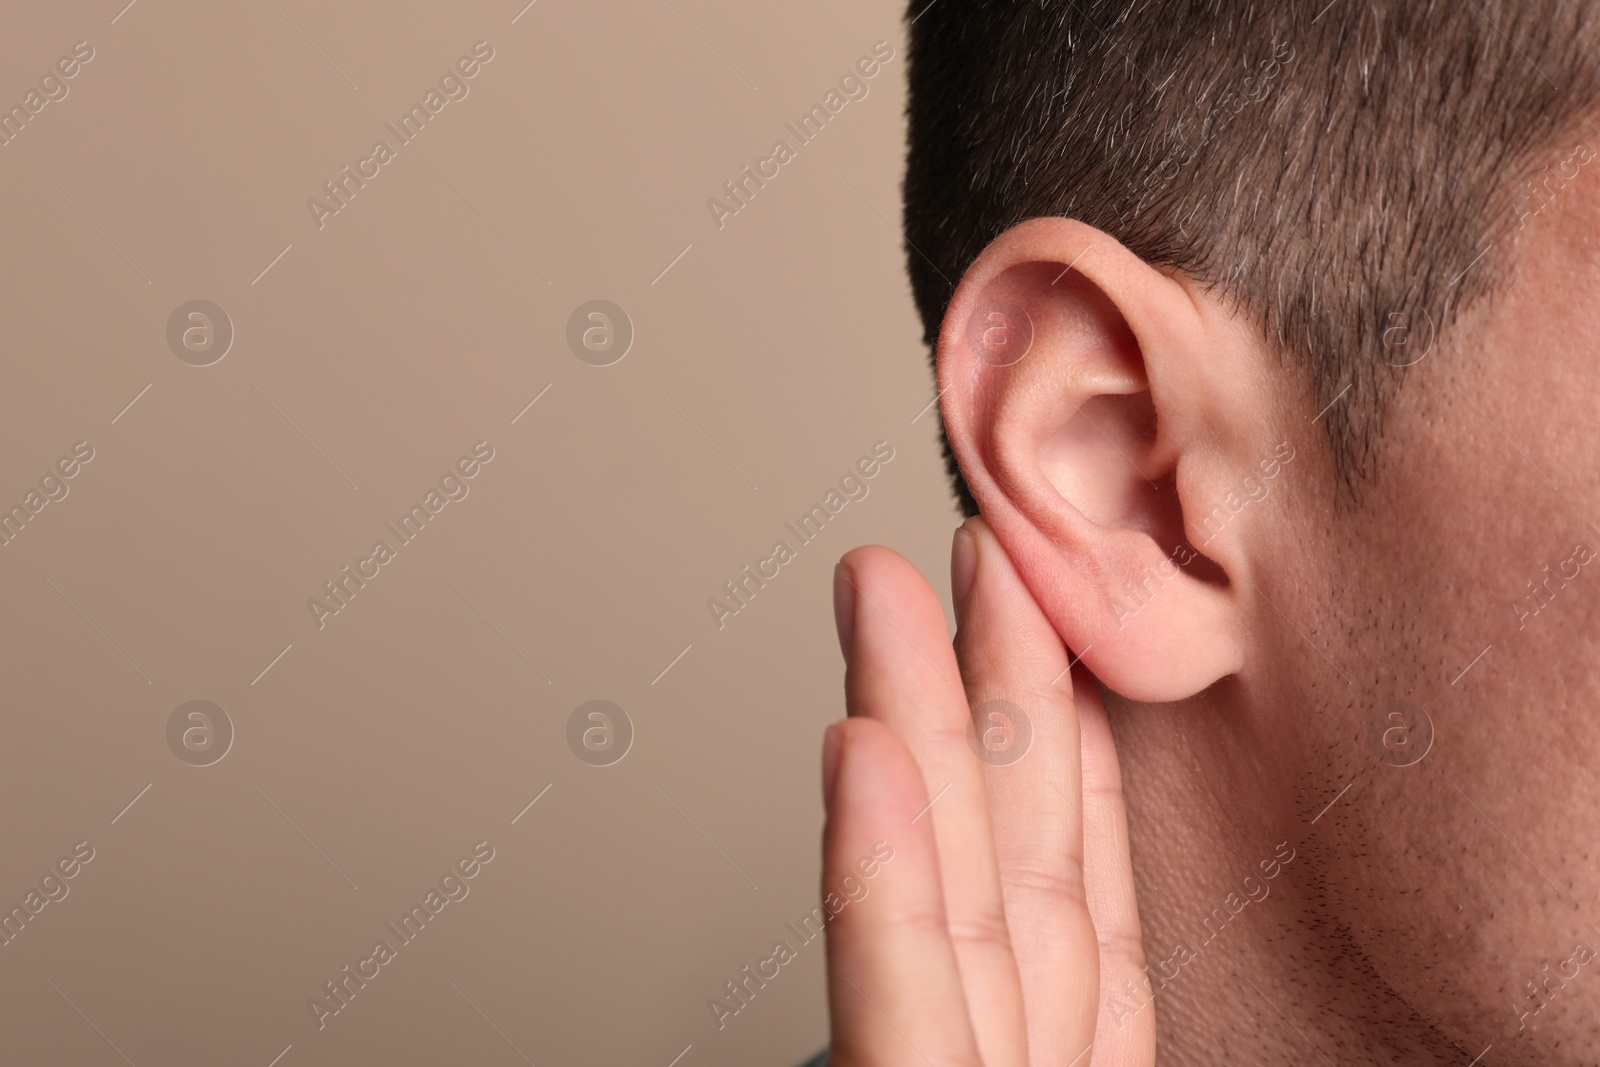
(375, 752)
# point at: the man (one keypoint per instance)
(1266, 346)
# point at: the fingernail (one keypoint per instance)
(844, 607)
(830, 763)
(963, 568)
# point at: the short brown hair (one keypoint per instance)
(1334, 169)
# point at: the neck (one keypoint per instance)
(1248, 957)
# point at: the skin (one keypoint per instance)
(1247, 692)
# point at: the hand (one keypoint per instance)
(1008, 904)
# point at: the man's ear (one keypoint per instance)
(1109, 420)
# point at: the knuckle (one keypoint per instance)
(984, 927)
(1057, 884)
(1123, 945)
(920, 923)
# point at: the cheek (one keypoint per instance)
(1410, 598)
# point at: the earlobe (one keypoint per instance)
(1081, 400)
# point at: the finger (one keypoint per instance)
(894, 990)
(902, 672)
(1126, 1033)
(1013, 664)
